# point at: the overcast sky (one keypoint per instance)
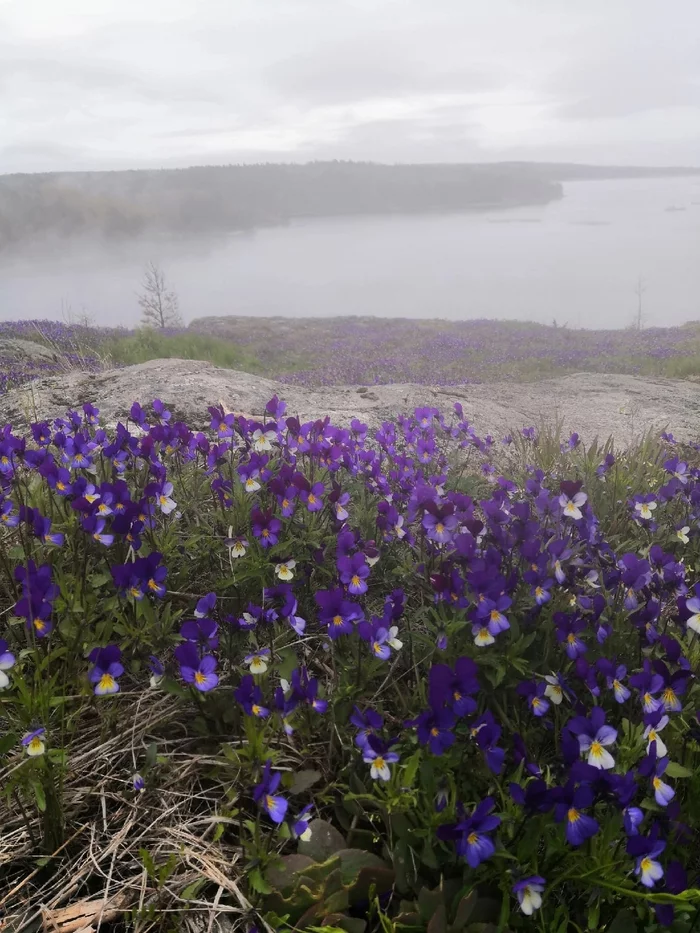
(92, 84)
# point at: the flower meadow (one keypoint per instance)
(364, 351)
(310, 677)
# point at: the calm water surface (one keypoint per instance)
(577, 261)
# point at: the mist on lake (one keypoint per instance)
(577, 261)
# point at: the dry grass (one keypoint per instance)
(98, 874)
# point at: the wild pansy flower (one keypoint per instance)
(572, 499)
(221, 422)
(471, 833)
(439, 522)
(614, 676)
(434, 729)
(648, 682)
(486, 732)
(535, 796)
(205, 606)
(107, 667)
(673, 687)
(285, 570)
(164, 498)
(313, 497)
(336, 612)
(33, 742)
(38, 593)
(353, 572)
(157, 670)
(249, 475)
(570, 800)
(682, 533)
(454, 688)
(304, 689)
(655, 722)
(7, 661)
(593, 736)
(202, 632)
(678, 469)
(258, 660)
(237, 546)
(264, 794)
(379, 756)
(9, 517)
(368, 723)
(643, 507)
(566, 629)
(380, 638)
(534, 693)
(529, 893)
(95, 527)
(266, 527)
(300, 826)
(250, 696)
(195, 670)
(654, 767)
(556, 689)
(646, 850)
(145, 574)
(263, 437)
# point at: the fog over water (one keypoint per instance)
(576, 261)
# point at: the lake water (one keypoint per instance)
(577, 260)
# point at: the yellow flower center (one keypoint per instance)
(337, 620)
(106, 682)
(573, 815)
(596, 749)
(472, 839)
(199, 677)
(355, 580)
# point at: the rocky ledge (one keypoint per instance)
(594, 405)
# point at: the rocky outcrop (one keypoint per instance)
(593, 405)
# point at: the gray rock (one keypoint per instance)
(19, 351)
(593, 405)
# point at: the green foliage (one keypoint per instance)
(151, 344)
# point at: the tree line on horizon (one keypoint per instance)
(233, 197)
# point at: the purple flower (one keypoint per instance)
(379, 757)
(7, 661)
(107, 668)
(33, 742)
(593, 735)
(353, 573)
(529, 893)
(471, 834)
(336, 612)
(195, 670)
(434, 729)
(368, 723)
(249, 695)
(569, 802)
(646, 849)
(264, 794)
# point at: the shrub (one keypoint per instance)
(307, 656)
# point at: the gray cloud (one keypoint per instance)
(150, 82)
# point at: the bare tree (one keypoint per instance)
(159, 306)
(639, 291)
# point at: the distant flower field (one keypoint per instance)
(314, 678)
(366, 351)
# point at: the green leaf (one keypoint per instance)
(151, 754)
(303, 780)
(257, 882)
(675, 770)
(324, 841)
(7, 742)
(623, 922)
(410, 769)
(39, 795)
(192, 890)
(283, 874)
(438, 922)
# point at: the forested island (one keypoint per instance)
(237, 197)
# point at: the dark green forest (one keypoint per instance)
(210, 199)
